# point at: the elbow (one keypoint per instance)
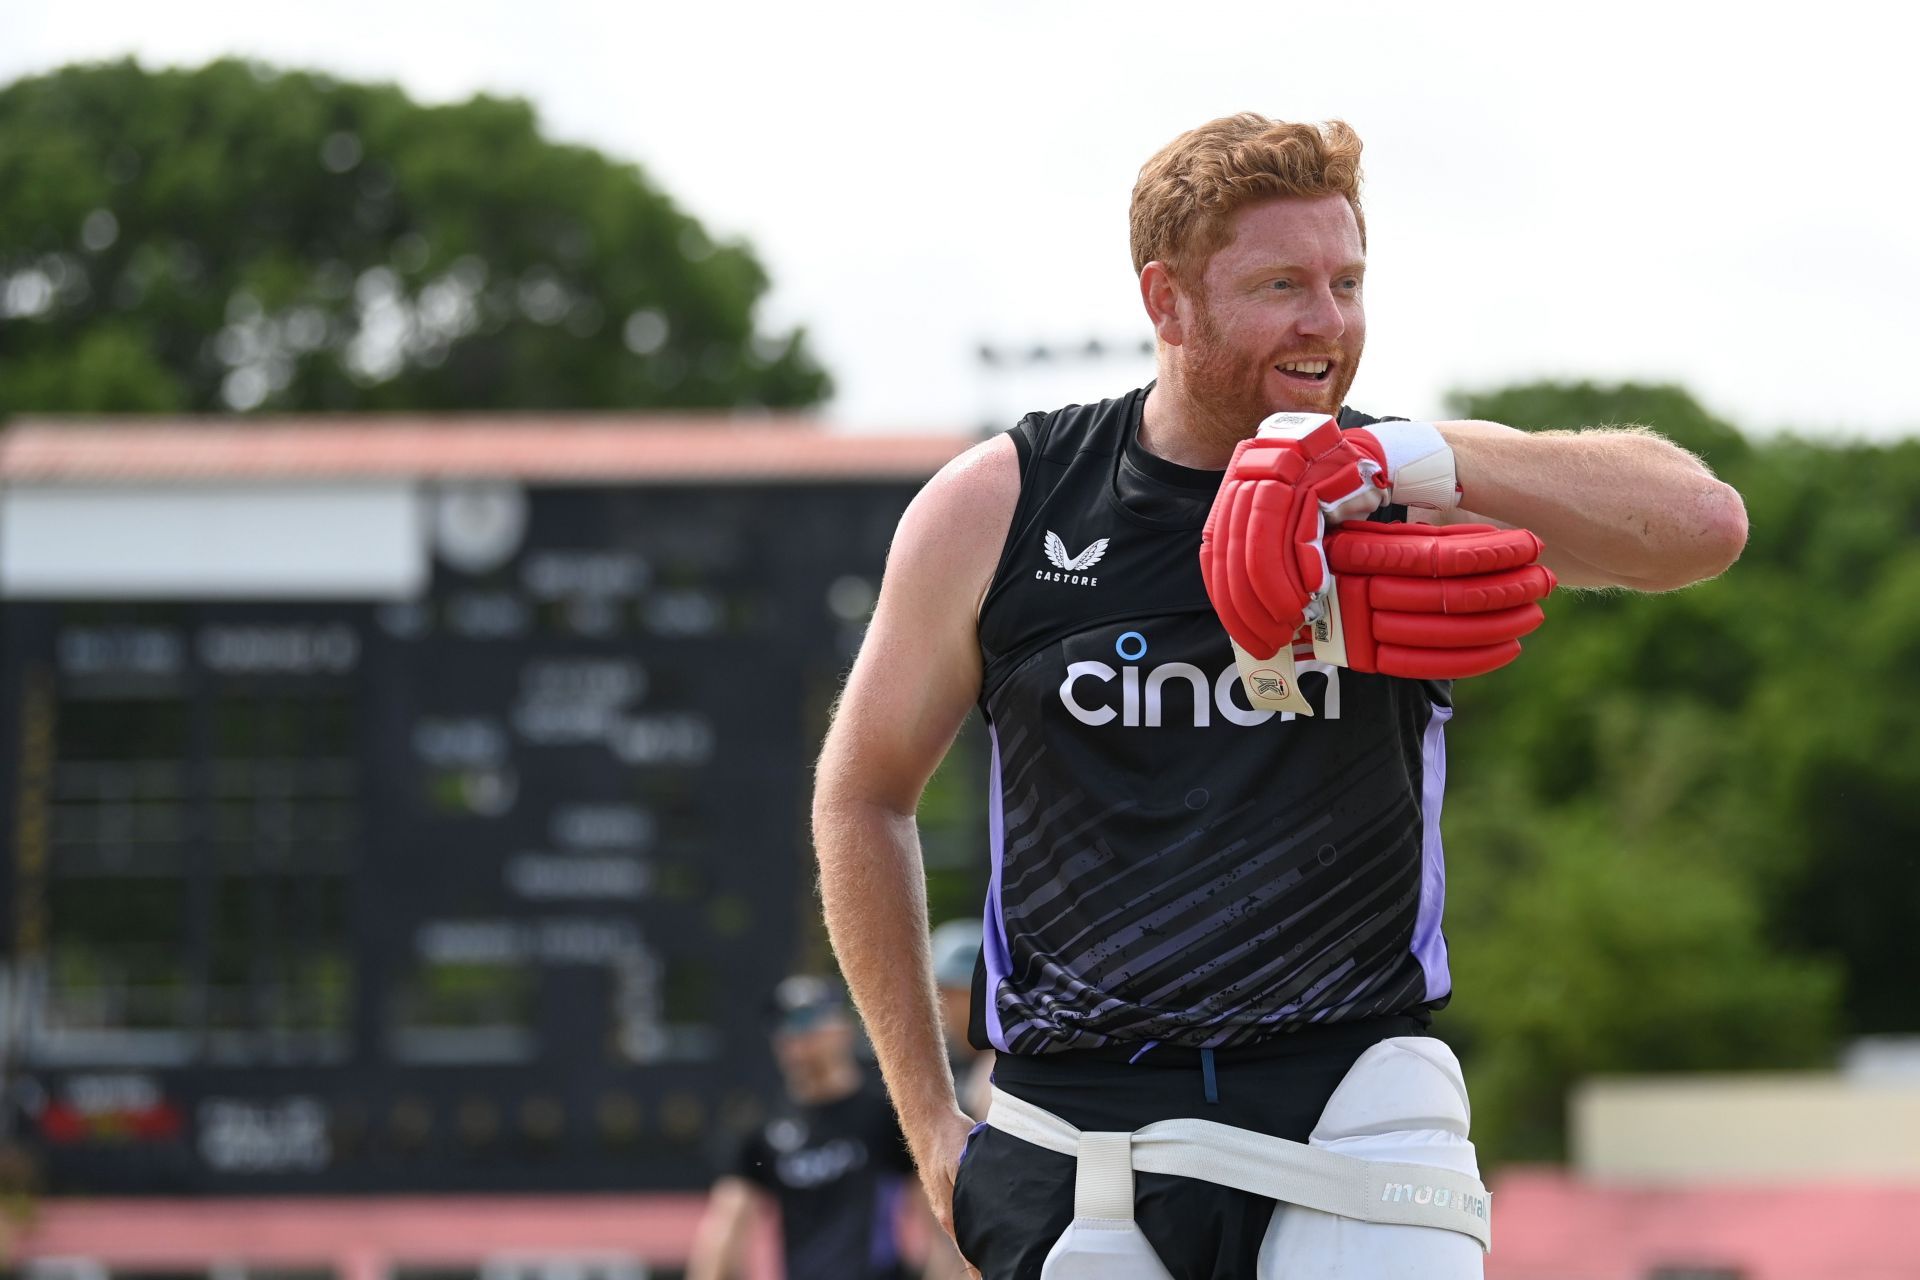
(1723, 535)
(1715, 535)
(844, 814)
(828, 810)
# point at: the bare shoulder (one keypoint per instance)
(918, 670)
(955, 527)
(976, 489)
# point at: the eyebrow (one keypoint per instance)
(1291, 268)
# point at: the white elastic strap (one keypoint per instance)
(1103, 1184)
(1365, 1190)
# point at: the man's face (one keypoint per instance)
(1280, 301)
(813, 1043)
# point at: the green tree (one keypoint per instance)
(236, 237)
(1683, 831)
(1835, 754)
(1577, 952)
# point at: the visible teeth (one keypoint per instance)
(1314, 367)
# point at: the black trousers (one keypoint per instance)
(1013, 1200)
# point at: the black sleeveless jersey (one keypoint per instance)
(1170, 866)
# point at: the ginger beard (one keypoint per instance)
(1232, 390)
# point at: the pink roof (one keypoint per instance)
(363, 1238)
(560, 448)
(1549, 1226)
(367, 1237)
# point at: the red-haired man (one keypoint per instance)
(1203, 909)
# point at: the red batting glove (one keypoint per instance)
(1433, 602)
(1261, 553)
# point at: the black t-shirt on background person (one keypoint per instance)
(837, 1171)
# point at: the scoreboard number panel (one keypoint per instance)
(482, 889)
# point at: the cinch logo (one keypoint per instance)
(822, 1164)
(1143, 691)
(1071, 568)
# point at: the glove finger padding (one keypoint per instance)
(1261, 552)
(1458, 630)
(1279, 582)
(1431, 550)
(1436, 602)
(1213, 564)
(1225, 572)
(1254, 614)
(1475, 593)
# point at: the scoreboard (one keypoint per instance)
(481, 889)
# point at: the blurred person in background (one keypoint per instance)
(832, 1161)
(1200, 909)
(956, 956)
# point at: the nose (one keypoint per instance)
(1322, 318)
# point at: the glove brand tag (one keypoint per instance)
(1268, 683)
(1272, 683)
(1329, 640)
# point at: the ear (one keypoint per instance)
(1162, 297)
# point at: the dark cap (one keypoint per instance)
(802, 1002)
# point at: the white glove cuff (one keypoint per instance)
(1292, 426)
(1420, 464)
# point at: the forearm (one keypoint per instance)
(709, 1260)
(943, 1259)
(723, 1227)
(1615, 507)
(873, 887)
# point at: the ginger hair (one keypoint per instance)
(1186, 196)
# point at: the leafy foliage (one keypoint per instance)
(237, 237)
(1683, 831)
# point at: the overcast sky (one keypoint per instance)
(1713, 194)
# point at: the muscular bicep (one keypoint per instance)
(918, 670)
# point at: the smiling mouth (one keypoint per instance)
(1306, 370)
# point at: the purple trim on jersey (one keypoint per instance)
(1429, 944)
(883, 1248)
(994, 928)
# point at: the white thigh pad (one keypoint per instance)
(1404, 1101)
(1096, 1249)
